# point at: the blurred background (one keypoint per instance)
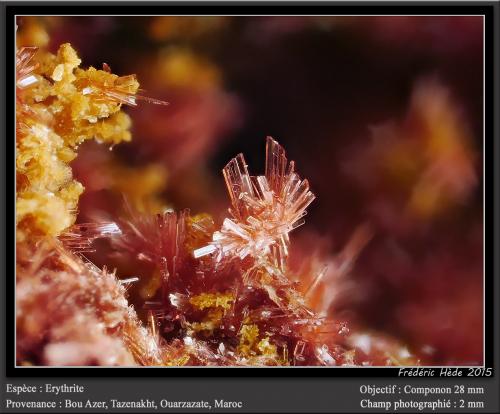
(383, 115)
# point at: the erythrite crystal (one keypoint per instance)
(79, 238)
(265, 209)
(25, 67)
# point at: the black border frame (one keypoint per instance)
(245, 8)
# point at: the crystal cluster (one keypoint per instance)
(265, 209)
(227, 296)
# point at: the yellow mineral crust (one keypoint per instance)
(211, 321)
(248, 338)
(212, 300)
(266, 348)
(251, 347)
(67, 105)
(217, 303)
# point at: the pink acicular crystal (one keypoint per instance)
(264, 210)
(24, 67)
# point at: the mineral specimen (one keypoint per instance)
(183, 290)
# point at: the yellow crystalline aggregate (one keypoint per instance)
(266, 348)
(211, 322)
(68, 105)
(178, 362)
(248, 337)
(218, 303)
(250, 346)
(212, 300)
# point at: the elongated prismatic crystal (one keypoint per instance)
(25, 67)
(264, 210)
